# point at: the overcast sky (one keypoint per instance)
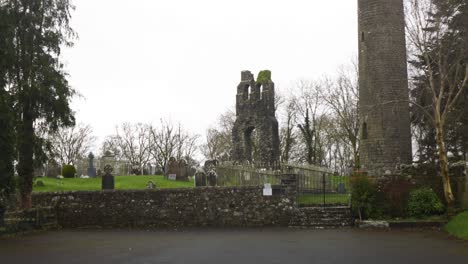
(142, 60)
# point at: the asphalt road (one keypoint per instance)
(234, 246)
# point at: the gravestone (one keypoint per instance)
(211, 174)
(108, 159)
(40, 184)
(341, 189)
(108, 179)
(151, 185)
(267, 190)
(182, 174)
(91, 172)
(200, 178)
(212, 177)
(177, 170)
(172, 167)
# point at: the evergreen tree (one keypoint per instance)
(36, 77)
(6, 116)
(437, 32)
(454, 14)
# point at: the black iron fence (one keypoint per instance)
(315, 185)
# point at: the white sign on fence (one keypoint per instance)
(267, 191)
(172, 177)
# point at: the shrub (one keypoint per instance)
(424, 202)
(363, 196)
(458, 226)
(68, 171)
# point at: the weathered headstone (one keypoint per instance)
(151, 185)
(177, 170)
(182, 174)
(200, 178)
(40, 183)
(212, 177)
(91, 172)
(107, 159)
(172, 167)
(211, 174)
(108, 179)
(341, 188)
(267, 190)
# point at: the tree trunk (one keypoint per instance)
(25, 161)
(443, 162)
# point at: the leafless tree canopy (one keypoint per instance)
(169, 140)
(147, 144)
(70, 144)
(218, 143)
(133, 142)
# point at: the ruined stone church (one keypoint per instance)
(255, 110)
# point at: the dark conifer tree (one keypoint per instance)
(36, 78)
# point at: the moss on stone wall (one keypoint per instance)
(264, 77)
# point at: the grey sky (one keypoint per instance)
(142, 60)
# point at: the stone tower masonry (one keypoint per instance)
(255, 110)
(383, 87)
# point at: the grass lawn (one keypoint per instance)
(433, 218)
(317, 199)
(94, 184)
(458, 226)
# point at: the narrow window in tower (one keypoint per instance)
(248, 93)
(261, 92)
(364, 131)
(363, 38)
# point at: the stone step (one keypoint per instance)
(323, 217)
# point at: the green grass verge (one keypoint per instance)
(432, 218)
(94, 184)
(458, 226)
(317, 199)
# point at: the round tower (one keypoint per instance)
(383, 87)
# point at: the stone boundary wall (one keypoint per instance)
(41, 218)
(171, 208)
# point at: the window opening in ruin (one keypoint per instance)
(261, 91)
(251, 144)
(364, 131)
(362, 37)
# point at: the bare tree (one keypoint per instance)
(134, 144)
(163, 143)
(111, 146)
(444, 68)
(341, 96)
(288, 137)
(168, 140)
(70, 144)
(310, 111)
(218, 143)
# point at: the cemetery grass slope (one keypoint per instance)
(121, 183)
(458, 226)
